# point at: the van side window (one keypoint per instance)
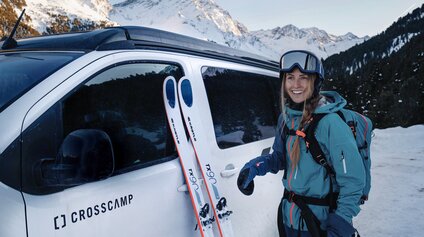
(244, 105)
(126, 102)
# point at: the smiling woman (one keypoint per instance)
(313, 179)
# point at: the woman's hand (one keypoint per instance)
(247, 174)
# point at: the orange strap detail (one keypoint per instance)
(300, 133)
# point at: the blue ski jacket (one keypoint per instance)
(309, 178)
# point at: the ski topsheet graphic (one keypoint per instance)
(204, 158)
(187, 157)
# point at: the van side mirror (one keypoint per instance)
(86, 155)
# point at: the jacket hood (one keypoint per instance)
(331, 102)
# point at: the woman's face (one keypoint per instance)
(298, 85)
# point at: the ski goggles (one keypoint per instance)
(304, 60)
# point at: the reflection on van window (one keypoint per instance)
(244, 105)
(125, 102)
(21, 71)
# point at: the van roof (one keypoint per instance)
(136, 37)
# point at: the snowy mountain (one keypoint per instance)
(202, 19)
(281, 39)
(206, 20)
(385, 44)
(383, 77)
(56, 16)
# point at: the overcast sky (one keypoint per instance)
(361, 17)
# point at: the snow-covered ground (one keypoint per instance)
(396, 203)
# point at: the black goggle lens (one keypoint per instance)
(306, 61)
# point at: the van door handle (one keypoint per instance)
(229, 171)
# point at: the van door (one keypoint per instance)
(122, 96)
(239, 110)
(11, 202)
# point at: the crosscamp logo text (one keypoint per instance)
(63, 220)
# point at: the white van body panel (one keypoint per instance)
(146, 202)
(259, 209)
(12, 218)
(157, 208)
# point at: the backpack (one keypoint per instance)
(361, 127)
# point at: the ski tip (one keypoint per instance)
(170, 92)
(186, 92)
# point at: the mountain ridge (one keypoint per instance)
(202, 19)
(384, 76)
(313, 39)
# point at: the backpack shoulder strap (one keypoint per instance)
(313, 145)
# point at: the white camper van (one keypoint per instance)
(123, 178)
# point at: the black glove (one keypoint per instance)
(248, 173)
(245, 181)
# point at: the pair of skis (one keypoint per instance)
(181, 101)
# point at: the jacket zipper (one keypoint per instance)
(344, 163)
